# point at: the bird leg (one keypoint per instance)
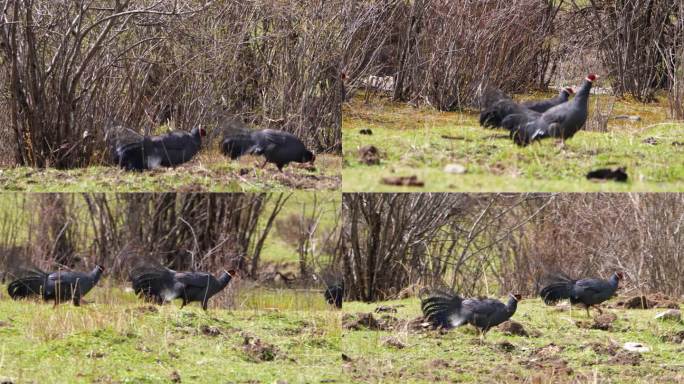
(587, 308)
(264, 164)
(598, 309)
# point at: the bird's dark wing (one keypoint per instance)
(592, 285)
(194, 279)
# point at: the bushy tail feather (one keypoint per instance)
(557, 288)
(130, 156)
(440, 308)
(493, 114)
(153, 282)
(514, 121)
(31, 283)
(237, 145)
(526, 134)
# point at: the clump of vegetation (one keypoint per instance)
(423, 142)
(116, 338)
(556, 349)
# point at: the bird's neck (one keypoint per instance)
(582, 95)
(96, 273)
(197, 135)
(614, 281)
(224, 279)
(512, 305)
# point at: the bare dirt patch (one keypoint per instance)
(258, 350)
(623, 357)
(547, 359)
(656, 300)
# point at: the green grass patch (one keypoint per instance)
(116, 338)
(208, 172)
(422, 141)
(561, 352)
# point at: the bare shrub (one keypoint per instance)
(627, 34)
(486, 243)
(444, 52)
(182, 231)
(71, 70)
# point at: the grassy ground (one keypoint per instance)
(422, 141)
(208, 172)
(263, 338)
(561, 352)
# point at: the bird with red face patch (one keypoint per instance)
(561, 121)
(168, 150)
(497, 106)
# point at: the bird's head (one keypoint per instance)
(569, 90)
(231, 272)
(592, 77)
(515, 296)
(620, 275)
(308, 157)
(199, 131)
(101, 268)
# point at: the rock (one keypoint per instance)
(627, 117)
(366, 131)
(635, 347)
(650, 140)
(456, 169)
(391, 341)
(670, 314)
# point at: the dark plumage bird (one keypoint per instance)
(58, 286)
(561, 121)
(277, 147)
(168, 150)
(587, 292)
(160, 284)
(448, 310)
(497, 106)
(542, 106)
(334, 293)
